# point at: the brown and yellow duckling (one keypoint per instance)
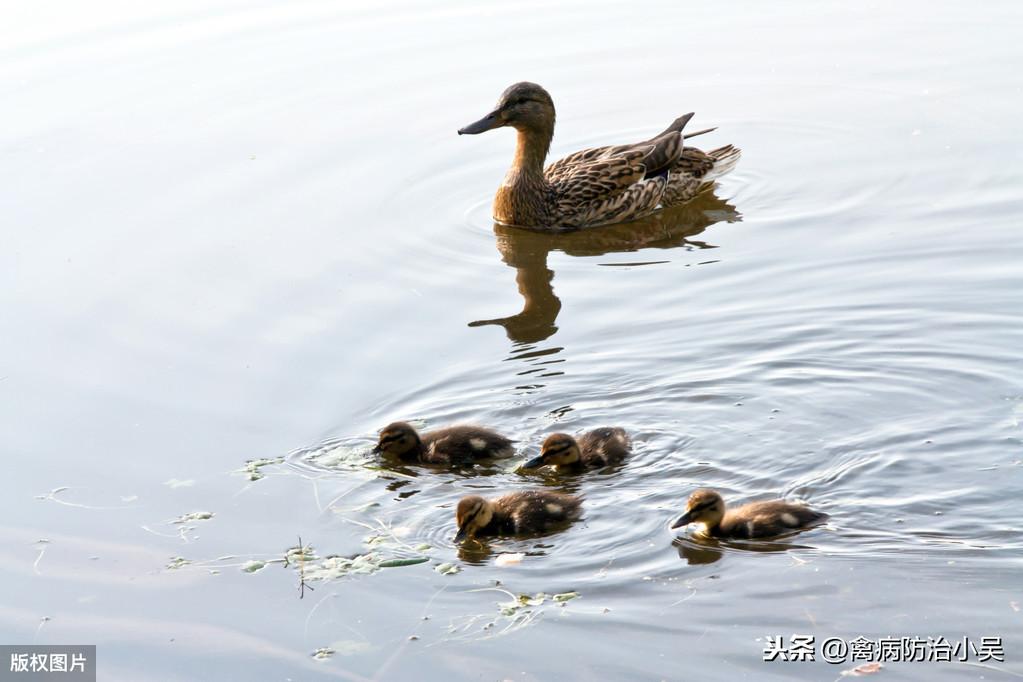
(755, 520)
(595, 186)
(528, 512)
(450, 445)
(592, 450)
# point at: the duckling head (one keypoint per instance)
(398, 439)
(473, 513)
(523, 106)
(559, 448)
(704, 506)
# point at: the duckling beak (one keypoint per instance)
(376, 449)
(534, 463)
(683, 520)
(462, 534)
(488, 122)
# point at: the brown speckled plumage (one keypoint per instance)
(755, 520)
(528, 512)
(450, 445)
(591, 450)
(595, 186)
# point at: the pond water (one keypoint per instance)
(246, 232)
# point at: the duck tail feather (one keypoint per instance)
(699, 132)
(725, 159)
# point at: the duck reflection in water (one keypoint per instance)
(707, 550)
(527, 251)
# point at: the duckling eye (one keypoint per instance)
(701, 507)
(521, 100)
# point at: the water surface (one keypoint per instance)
(238, 230)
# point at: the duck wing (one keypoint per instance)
(564, 167)
(612, 184)
(657, 155)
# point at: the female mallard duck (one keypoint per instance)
(527, 512)
(594, 186)
(594, 449)
(451, 445)
(754, 520)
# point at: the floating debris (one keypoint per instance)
(565, 596)
(323, 653)
(447, 569)
(194, 516)
(337, 455)
(299, 554)
(510, 608)
(334, 567)
(253, 565)
(254, 467)
(861, 670)
(509, 559)
(395, 563)
(177, 562)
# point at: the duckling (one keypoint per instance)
(527, 512)
(594, 449)
(754, 520)
(596, 186)
(451, 445)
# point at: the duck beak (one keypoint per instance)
(534, 463)
(683, 520)
(376, 449)
(462, 534)
(488, 122)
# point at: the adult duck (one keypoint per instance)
(595, 186)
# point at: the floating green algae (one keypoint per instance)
(396, 563)
(523, 602)
(520, 601)
(335, 567)
(194, 516)
(253, 565)
(253, 468)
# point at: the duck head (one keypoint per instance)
(524, 106)
(399, 440)
(473, 513)
(704, 506)
(559, 449)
